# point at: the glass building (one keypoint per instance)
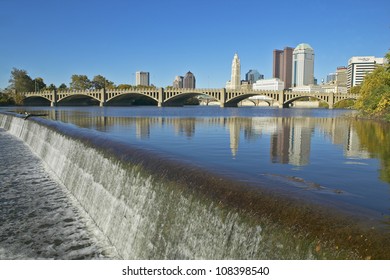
(253, 75)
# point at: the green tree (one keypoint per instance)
(51, 87)
(100, 82)
(355, 89)
(374, 99)
(20, 81)
(80, 82)
(39, 84)
(6, 99)
(124, 86)
(62, 87)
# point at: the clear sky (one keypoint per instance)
(55, 39)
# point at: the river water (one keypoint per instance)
(315, 157)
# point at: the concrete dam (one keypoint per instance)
(150, 206)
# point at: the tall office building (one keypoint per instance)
(189, 80)
(331, 78)
(359, 67)
(282, 65)
(341, 75)
(252, 76)
(303, 65)
(141, 78)
(178, 82)
(235, 81)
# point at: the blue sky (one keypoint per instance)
(54, 39)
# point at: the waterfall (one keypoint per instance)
(152, 208)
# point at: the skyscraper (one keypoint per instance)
(253, 75)
(141, 78)
(282, 66)
(235, 81)
(178, 82)
(341, 75)
(303, 65)
(189, 80)
(359, 67)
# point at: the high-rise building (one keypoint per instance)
(282, 65)
(359, 67)
(235, 81)
(341, 76)
(303, 65)
(189, 80)
(252, 76)
(178, 82)
(331, 78)
(141, 78)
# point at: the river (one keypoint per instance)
(266, 177)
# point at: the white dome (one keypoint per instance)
(303, 46)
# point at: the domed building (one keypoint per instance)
(303, 65)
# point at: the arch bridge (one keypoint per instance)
(177, 96)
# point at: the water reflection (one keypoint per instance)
(290, 139)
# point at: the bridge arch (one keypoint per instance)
(233, 101)
(36, 100)
(288, 103)
(78, 99)
(131, 98)
(181, 98)
(347, 98)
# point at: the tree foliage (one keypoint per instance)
(6, 99)
(124, 86)
(62, 87)
(51, 87)
(39, 84)
(355, 89)
(100, 82)
(374, 99)
(80, 82)
(20, 81)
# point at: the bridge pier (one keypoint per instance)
(54, 98)
(103, 97)
(331, 101)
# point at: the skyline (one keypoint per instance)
(54, 40)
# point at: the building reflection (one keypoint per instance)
(290, 138)
(291, 143)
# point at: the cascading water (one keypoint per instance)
(152, 208)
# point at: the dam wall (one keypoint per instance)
(152, 207)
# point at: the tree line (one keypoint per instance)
(20, 82)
